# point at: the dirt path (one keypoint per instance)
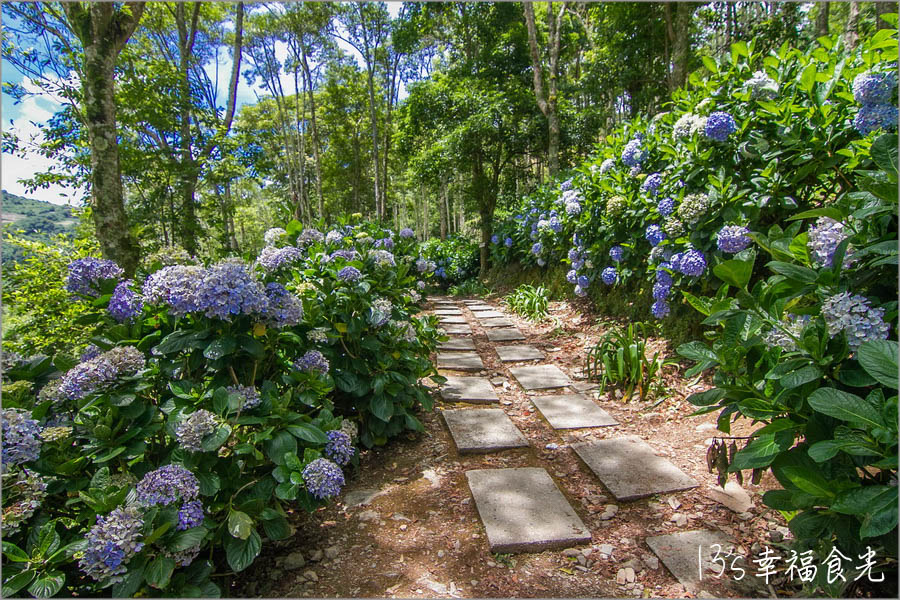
(406, 525)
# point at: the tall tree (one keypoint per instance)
(822, 18)
(851, 31)
(547, 100)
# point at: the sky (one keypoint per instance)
(26, 118)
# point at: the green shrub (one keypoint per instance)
(455, 259)
(620, 358)
(469, 287)
(529, 301)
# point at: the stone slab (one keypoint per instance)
(456, 329)
(480, 307)
(501, 322)
(540, 377)
(475, 390)
(483, 430)
(571, 411)
(453, 320)
(457, 344)
(687, 552)
(473, 301)
(518, 352)
(523, 510)
(488, 314)
(630, 469)
(733, 496)
(460, 361)
(448, 312)
(509, 334)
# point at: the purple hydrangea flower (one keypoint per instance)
(273, 236)
(383, 258)
(617, 253)
(874, 88)
(872, 117)
(191, 431)
(652, 183)
(660, 309)
(508, 242)
(566, 185)
(229, 288)
(824, 238)
(91, 351)
(733, 238)
(271, 258)
(606, 165)
(86, 274)
(609, 275)
(313, 360)
(572, 276)
(89, 376)
(125, 304)
(339, 447)
(177, 286)
(663, 276)
(654, 234)
(632, 154)
(323, 478)
(536, 248)
(310, 236)
(635, 171)
(111, 543)
(249, 395)
(661, 290)
(334, 237)
(555, 225)
(386, 243)
(719, 126)
(190, 515)
(167, 484)
(407, 233)
(854, 315)
(665, 207)
(583, 282)
(284, 308)
(349, 274)
(691, 263)
(495, 239)
(21, 438)
(380, 312)
(345, 254)
(580, 291)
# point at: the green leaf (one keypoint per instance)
(178, 341)
(14, 553)
(710, 64)
(697, 351)
(280, 444)
(159, 572)
(808, 480)
(877, 504)
(17, 582)
(759, 453)
(779, 500)
(277, 529)
(808, 77)
(846, 407)
(220, 347)
(706, 398)
(47, 584)
(884, 153)
(188, 538)
(734, 272)
(879, 359)
(795, 272)
(701, 305)
(826, 211)
(241, 553)
(209, 482)
(308, 433)
(800, 376)
(133, 579)
(215, 440)
(382, 407)
(239, 524)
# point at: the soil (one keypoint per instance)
(421, 536)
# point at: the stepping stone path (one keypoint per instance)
(681, 552)
(483, 430)
(523, 510)
(540, 377)
(460, 361)
(476, 390)
(517, 353)
(630, 469)
(457, 344)
(504, 335)
(571, 411)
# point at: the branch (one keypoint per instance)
(535, 58)
(233, 84)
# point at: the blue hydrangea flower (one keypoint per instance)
(273, 236)
(665, 207)
(495, 239)
(407, 233)
(874, 88)
(349, 274)
(606, 165)
(383, 258)
(580, 291)
(652, 183)
(761, 86)
(536, 248)
(691, 263)
(635, 171)
(190, 515)
(323, 478)
(733, 238)
(654, 234)
(86, 274)
(583, 282)
(228, 289)
(310, 236)
(854, 315)
(632, 154)
(21, 438)
(566, 185)
(576, 240)
(176, 286)
(271, 258)
(167, 484)
(555, 225)
(249, 395)
(125, 304)
(111, 544)
(339, 447)
(386, 243)
(91, 351)
(508, 242)
(824, 238)
(100, 371)
(617, 253)
(284, 308)
(191, 431)
(661, 290)
(872, 117)
(572, 276)
(658, 253)
(660, 309)
(334, 237)
(441, 272)
(720, 125)
(313, 360)
(663, 276)
(609, 275)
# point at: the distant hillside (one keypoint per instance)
(38, 219)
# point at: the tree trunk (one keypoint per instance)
(379, 206)
(103, 30)
(822, 19)
(882, 8)
(851, 33)
(681, 42)
(188, 173)
(443, 208)
(547, 103)
(315, 135)
(425, 226)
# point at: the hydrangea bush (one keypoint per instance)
(213, 400)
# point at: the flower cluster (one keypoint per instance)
(407, 233)
(659, 253)
(349, 274)
(536, 248)
(733, 239)
(111, 543)
(609, 275)
(615, 206)
(313, 360)
(383, 258)
(872, 117)
(386, 243)
(566, 185)
(86, 274)
(571, 200)
(343, 253)
(651, 184)
(125, 304)
(273, 236)
(21, 437)
(91, 375)
(673, 227)
(495, 239)
(692, 208)
(170, 255)
(380, 312)
(607, 165)
(874, 88)
(692, 263)
(52, 434)
(617, 253)
(350, 428)
(660, 309)
(284, 308)
(90, 351)
(27, 492)
(665, 207)
(786, 334)
(167, 484)
(508, 242)
(334, 237)
(310, 236)
(319, 335)
(176, 286)
(761, 86)
(191, 431)
(633, 155)
(339, 447)
(719, 125)
(323, 478)
(654, 234)
(271, 258)
(853, 315)
(228, 288)
(824, 238)
(190, 515)
(688, 124)
(249, 395)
